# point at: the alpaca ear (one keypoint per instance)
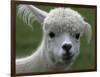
(29, 13)
(88, 32)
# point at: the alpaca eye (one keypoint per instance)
(51, 34)
(77, 36)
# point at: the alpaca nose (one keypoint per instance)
(67, 47)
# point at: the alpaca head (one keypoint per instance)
(62, 29)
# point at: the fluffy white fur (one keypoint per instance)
(65, 23)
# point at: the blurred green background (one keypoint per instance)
(28, 39)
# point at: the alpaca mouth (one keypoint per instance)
(68, 57)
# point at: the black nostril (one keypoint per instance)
(67, 47)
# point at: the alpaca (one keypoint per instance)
(60, 46)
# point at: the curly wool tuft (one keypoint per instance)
(66, 19)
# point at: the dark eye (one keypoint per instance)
(52, 34)
(77, 36)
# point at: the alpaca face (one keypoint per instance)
(62, 31)
(61, 44)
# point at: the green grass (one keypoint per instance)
(27, 40)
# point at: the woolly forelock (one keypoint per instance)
(65, 19)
